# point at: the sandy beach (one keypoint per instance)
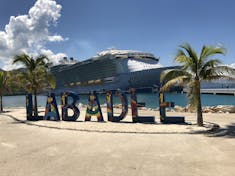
(107, 148)
(126, 125)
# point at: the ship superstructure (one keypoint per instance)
(110, 69)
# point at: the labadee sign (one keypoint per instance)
(93, 107)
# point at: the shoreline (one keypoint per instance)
(205, 109)
(151, 100)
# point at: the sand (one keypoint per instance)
(126, 125)
(92, 148)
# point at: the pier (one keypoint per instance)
(219, 91)
(216, 91)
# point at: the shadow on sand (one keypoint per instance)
(216, 131)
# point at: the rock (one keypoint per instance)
(143, 108)
(179, 109)
(207, 109)
(225, 108)
(219, 109)
(168, 110)
(119, 106)
(230, 109)
(156, 109)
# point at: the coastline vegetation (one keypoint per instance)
(35, 76)
(5, 85)
(196, 68)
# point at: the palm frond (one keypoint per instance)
(225, 70)
(208, 51)
(218, 72)
(190, 51)
(5, 82)
(42, 60)
(177, 81)
(51, 81)
(23, 59)
(211, 64)
(190, 60)
(215, 77)
(173, 73)
(36, 76)
(1, 78)
(181, 57)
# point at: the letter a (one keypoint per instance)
(109, 102)
(51, 112)
(93, 108)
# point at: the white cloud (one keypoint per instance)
(233, 65)
(29, 33)
(7, 65)
(55, 58)
(55, 38)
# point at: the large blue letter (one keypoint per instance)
(51, 112)
(65, 106)
(134, 110)
(30, 109)
(109, 101)
(93, 108)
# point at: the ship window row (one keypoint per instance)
(87, 83)
(71, 77)
(86, 75)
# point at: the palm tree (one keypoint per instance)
(4, 85)
(195, 69)
(35, 77)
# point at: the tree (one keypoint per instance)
(35, 77)
(4, 86)
(195, 69)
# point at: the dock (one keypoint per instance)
(223, 91)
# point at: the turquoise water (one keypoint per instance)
(150, 99)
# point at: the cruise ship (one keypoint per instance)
(110, 70)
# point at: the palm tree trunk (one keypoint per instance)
(199, 105)
(1, 106)
(35, 104)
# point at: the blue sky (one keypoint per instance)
(156, 26)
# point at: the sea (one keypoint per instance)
(151, 99)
